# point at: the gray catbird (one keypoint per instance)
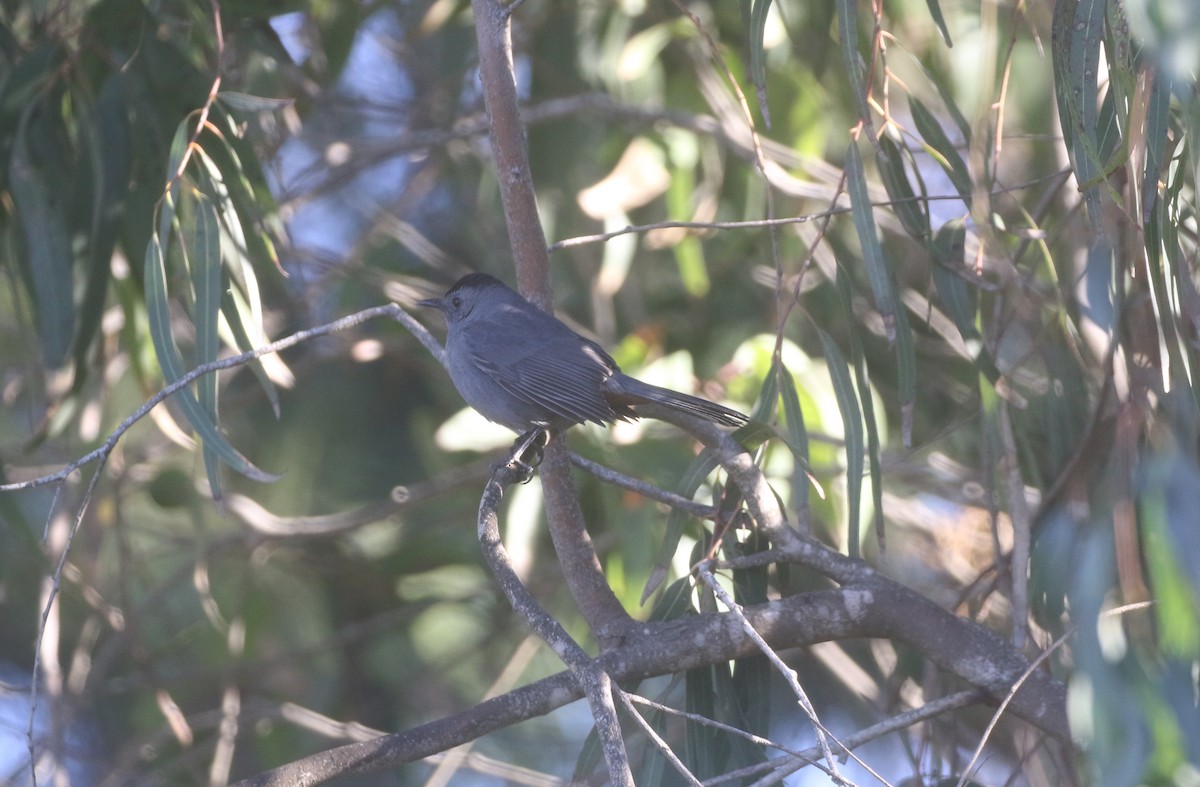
(522, 368)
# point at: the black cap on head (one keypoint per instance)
(476, 281)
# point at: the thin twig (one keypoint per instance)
(1012, 692)
(707, 576)
(274, 525)
(390, 310)
(1018, 514)
(659, 743)
(51, 597)
(610, 476)
(726, 728)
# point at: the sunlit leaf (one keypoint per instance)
(203, 245)
(943, 150)
(158, 310)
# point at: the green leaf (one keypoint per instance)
(749, 704)
(104, 132)
(956, 295)
(864, 223)
(204, 261)
(768, 397)
(867, 404)
(1078, 29)
(906, 363)
(688, 251)
(1169, 527)
(243, 305)
(913, 213)
(47, 244)
(158, 312)
(675, 602)
(855, 70)
(1158, 119)
(252, 206)
(797, 435)
(705, 748)
(756, 30)
(935, 13)
(848, 406)
(942, 149)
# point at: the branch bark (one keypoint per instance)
(589, 676)
(886, 610)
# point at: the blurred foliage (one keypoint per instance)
(980, 332)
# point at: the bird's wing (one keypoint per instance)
(550, 366)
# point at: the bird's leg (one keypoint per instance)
(530, 442)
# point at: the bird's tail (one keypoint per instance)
(621, 389)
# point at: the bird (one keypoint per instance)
(524, 369)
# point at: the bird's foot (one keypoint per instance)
(526, 453)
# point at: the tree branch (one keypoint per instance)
(588, 675)
(797, 621)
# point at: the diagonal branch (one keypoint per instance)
(588, 674)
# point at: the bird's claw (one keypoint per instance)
(526, 453)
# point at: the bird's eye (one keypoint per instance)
(456, 301)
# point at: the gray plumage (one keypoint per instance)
(523, 368)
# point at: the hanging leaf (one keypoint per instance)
(756, 29)
(864, 223)
(158, 312)
(942, 149)
(848, 406)
(47, 242)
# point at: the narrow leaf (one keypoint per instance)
(912, 213)
(797, 435)
(104, 132)
(843, 389)
(855, 70)
(906, 360)
(233, 318)
(867, 403)
(204, 260)
(758, 61)
(864, 223)
(942, 148)
(158, 312)
(1077, 27)
(1157, 124)
(47, 246)
(935, 13)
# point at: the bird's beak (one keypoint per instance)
(433, 303)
